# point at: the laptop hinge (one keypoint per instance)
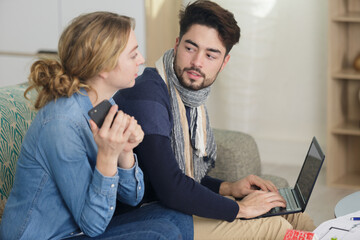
(296, 199)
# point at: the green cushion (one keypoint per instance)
(16, 114)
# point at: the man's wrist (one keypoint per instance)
(241, 212)
(225, 189)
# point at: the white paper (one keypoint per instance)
(342, 228)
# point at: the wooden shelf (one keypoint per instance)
(347, 74)
(347, 18)
(349, 181)
(343, 115)
(351, 128)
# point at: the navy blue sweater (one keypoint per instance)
(148, 101)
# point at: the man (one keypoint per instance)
(179, 148)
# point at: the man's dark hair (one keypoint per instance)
(210, 14)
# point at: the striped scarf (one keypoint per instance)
(194, 149)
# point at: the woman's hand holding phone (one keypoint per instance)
(115, 140)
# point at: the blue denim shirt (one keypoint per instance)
(57, 189)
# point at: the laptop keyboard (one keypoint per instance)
(291, 204)
(288, 196)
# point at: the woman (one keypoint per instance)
(70, 173)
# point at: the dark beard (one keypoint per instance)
(179, 73)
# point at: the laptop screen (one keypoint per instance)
(309, 172)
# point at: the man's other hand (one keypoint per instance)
(245, 186)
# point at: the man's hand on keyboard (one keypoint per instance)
(259, 202)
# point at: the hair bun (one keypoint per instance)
(48, 77)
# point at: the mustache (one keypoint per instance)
(195, 69)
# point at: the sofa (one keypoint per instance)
(237, 156)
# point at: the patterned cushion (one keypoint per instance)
(16, 115)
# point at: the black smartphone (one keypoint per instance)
(99, 112)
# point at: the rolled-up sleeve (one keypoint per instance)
(131, 185)
(100, 204)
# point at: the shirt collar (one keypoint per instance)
(83, 99)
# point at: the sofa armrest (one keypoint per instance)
(16, 115)
(237, 155)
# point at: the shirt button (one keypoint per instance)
(112, 185)
(111, 208)
(139, 187)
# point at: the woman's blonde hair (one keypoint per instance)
(90, 44)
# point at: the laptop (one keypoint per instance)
(298, 197)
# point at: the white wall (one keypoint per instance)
(28, 26)
(274, 86)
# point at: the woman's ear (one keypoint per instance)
(104, 75)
